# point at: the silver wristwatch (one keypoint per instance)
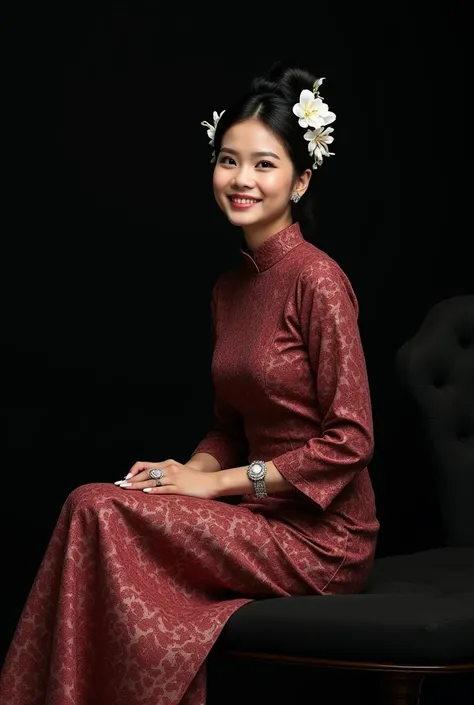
(256, 472)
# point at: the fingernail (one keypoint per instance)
(119, 482)
(126, 484)
(127, 477)
(147, 489)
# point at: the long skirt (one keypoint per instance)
(134, 590)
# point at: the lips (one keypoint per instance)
(239, 200)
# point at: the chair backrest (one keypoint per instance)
(436, 366)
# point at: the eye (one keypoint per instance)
(223, 159)
(265, 164)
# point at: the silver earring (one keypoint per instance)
(295, 197)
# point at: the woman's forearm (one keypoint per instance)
(204, 462)
(235, 481)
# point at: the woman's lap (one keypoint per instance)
(206, 545)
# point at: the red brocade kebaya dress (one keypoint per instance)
(134, 589)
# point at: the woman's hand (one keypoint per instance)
(176, 479)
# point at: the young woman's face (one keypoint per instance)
(254, 178)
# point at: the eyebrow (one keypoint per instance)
(254, 154)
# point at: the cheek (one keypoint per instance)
(277, 185)
(219, 180)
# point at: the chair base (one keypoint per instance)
(397, 684)
(399, 688)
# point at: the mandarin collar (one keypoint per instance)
(273, 250)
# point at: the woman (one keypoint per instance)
(140, 578)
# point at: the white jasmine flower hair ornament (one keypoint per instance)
(313, 112)
(211, 131)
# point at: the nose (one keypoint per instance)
(243, 178)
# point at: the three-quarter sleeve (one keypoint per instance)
(226, 440)
(327, 311)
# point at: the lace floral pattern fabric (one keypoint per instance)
(134, 589)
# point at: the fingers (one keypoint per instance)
(149, 486)
(142, 480)
(138, 467)
(138, 482)
(141, 485)
(142, 465)
(128, 481)
(139, 479)
(164, 489)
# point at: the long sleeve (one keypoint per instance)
(226, 440)
(327, 312)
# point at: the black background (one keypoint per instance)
(111, 240)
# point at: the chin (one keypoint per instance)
(242, 219)
(246, 224)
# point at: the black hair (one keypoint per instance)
(271, 98)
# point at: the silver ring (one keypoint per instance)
(156, 474)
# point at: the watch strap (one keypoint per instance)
(260, 488)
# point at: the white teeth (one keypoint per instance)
(244, 200)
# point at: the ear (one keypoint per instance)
(302, 182)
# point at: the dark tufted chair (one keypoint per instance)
(417, 615)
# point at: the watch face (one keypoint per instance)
(257, 472)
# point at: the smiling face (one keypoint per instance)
(254, 179)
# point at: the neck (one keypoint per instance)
(256, 236)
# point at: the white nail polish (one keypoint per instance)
(147, 489)
(119, 482)
(127, 477)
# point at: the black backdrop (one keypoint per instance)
(111, 239)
